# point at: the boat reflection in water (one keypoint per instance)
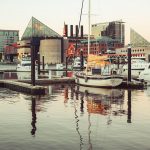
(103, 101)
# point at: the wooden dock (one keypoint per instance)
(26, 87)
(22, 87)
(46, 81)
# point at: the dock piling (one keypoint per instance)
(32, 62)
(129, 64)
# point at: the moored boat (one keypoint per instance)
(99, 72)
(25, 64)
(137, 65)
(145, 74)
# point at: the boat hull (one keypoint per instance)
(145, 75)
(23, 68)
(98, 81)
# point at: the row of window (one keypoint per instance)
(8, 33)
(139, 50)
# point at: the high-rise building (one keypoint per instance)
(114, 30)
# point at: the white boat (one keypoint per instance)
(77, 63)
(25, 64)
(99, 79)
(137, 65)
(145, 74)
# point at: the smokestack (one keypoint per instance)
(71, 30)
(65, 34)
(66, 30)
(77, 31)
(81, 31)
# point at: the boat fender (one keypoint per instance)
(86, 78)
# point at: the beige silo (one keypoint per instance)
(51, 50)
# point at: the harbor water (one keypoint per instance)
(73, 117)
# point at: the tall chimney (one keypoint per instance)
(71, 30)
(77, 31)
(81, 31)
(65, 34)
(66, 30)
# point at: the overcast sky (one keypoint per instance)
(15, 14)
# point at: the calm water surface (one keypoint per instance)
(73, 118)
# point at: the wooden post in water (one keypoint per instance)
(82, 60)
(38, 63)
(43, 67)
(66, 65)
(129, 106)
(129, 64)
(33, 116)
(32, 63)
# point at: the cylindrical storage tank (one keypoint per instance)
(51, 50)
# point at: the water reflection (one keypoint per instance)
(82, 104)
(15, 75)
(129, 106)
(102, 101)
(92, 119)
(33, 109)
(77, 126)
(89, 133)
(65, 94)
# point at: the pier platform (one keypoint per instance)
(50, 81)
(22, 87)
(26, 87)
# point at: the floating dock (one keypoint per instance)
(22, 87)
(50, 81)
(25, 85)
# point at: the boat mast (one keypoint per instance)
(89, 26)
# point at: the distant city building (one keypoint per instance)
(136, 52)
(73, 36)
(100, 45)
(136, 40)
(114, 30)
(45, 40)
(140, 47)
(7, 47)
(96, 29)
